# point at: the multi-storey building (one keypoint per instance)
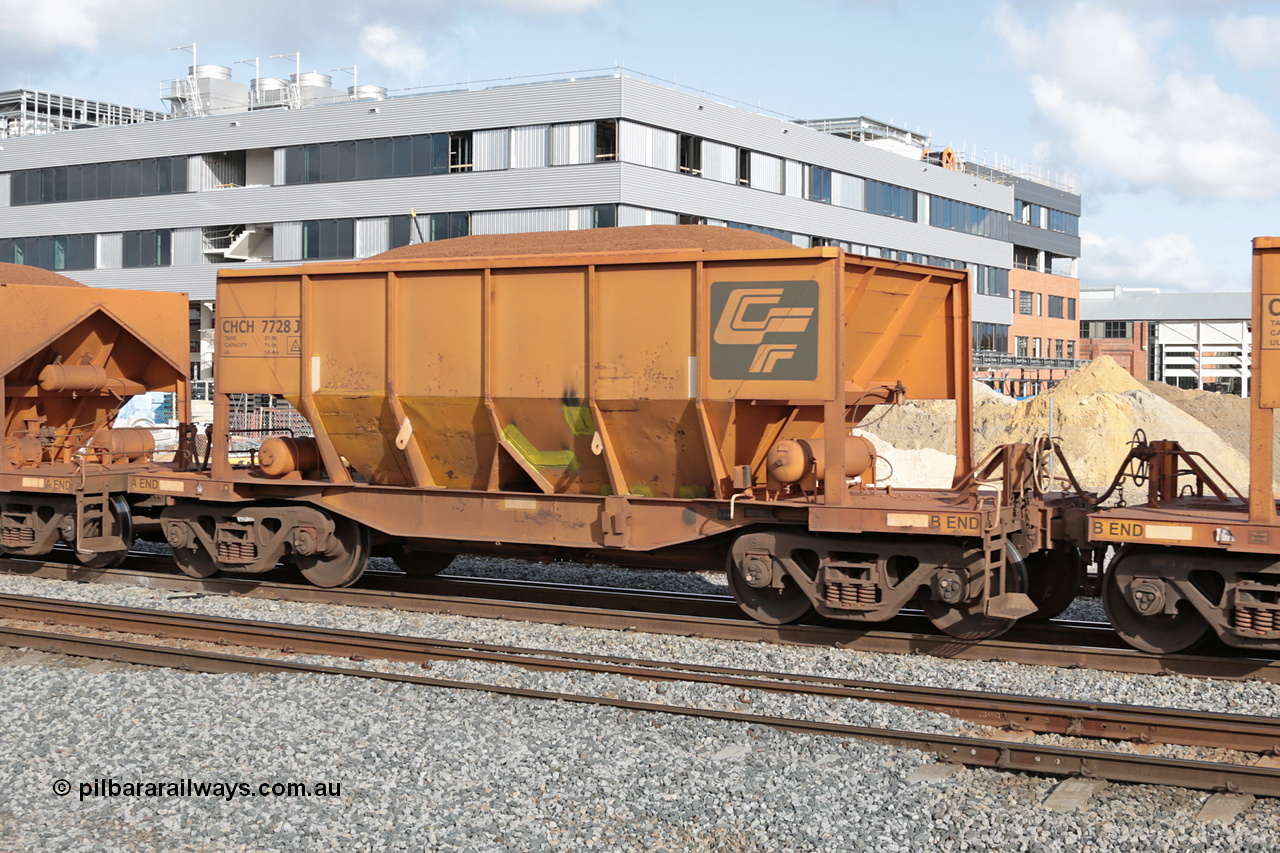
(1183, 339)
(277, 172)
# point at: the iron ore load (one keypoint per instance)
(676, 397)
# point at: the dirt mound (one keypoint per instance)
(711, 238)
(22, 274)
(1095, 412)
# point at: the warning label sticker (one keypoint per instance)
(260, 337)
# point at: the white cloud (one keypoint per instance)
(551, 7)
(1168, 261)
(1249, 41)
(1097, 79)
(393, 49)
(52, 24)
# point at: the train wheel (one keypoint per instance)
(424, 564)
(344, 562)
(195, 562)
(768, 604)
(110, 559)
(1054, 580)
(1158, 632)
(968, 620)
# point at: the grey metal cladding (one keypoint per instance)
(652, 104)
(5, 189)
(197, 281)
(661, 190)
(594, 183)
(1043, 239)
(991, 309)
(1030, 191)
(110, 248)
(507, 106)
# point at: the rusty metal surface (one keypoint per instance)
(666, 373)
(1093, 647)
(965, 750)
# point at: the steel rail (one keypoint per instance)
(969, 751)
(1064, 717)
(1080, 645)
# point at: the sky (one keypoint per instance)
(1164, 113)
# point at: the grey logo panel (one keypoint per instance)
(764, 330)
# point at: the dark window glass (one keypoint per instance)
(607, 139)
(744, 167)
(890, 200)
(402, 151)
(133, 178)
(1071, 308)
(132, 249)
(605, 216)
(439, 154)
(1065, 223)
(401, 231)
(383, 157)
(310, 164)
(293, 165)
(328, 161)
(346, 162)
(311, 239)
(164, 176)
(149, 180)
(1056, 307)
(365, 155)
(819, 184)
(179, 182)
(689, 150)
(326, 239)
(961, 216)
(422, 154)
(6, 250)
(117, 180)
(446, 226)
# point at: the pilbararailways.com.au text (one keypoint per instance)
(227, 789)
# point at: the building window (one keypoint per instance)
(689, 150)
(990, 337)
(690, 219)
(604, 216)
(460, 152)
(1106, 329)
(969, 218)
(147, 248)
(1056, 306)
(446, 226)
(328, 239)
(1024, 302)
(1071, 308)
(1021, 344)
(607, 139)
(819, 184)
(890, 200)
(60, 252)
(1035, 347)
(1027, 213)
(89, 181)
(991, 281)
(1057, 349)
(1064, 223)
(744, 167)
(1071, 349)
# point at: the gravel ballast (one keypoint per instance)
(432, 769)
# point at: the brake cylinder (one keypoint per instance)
(282, 454)
(792, 459)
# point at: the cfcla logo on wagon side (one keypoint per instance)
(764, 330)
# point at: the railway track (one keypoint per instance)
(1057, 643)
(1086, 720)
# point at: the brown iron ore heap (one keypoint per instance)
(21, 274)
(638, 238)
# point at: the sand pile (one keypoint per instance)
(1095, 412)
(636, 238)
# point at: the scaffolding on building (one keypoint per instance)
(27, 112)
